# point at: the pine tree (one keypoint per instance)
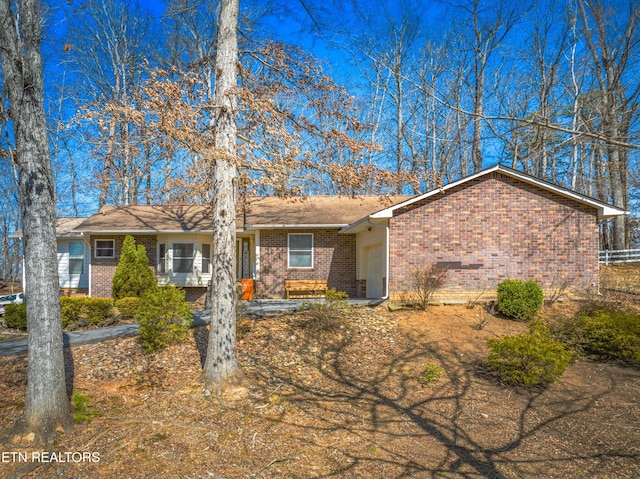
(133, 277)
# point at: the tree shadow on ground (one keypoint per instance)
(201, 338)
(460, 425)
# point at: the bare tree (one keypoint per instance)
(485, 30)
(109, 45)
(47, 405)
(613, 48)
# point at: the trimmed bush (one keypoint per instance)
(164, 318)
(15, 316)
(98, 310)
(612, 333)
(81, 311)
(72, 310)
(128, 307)
(528, 359)
(520, 300)
(133, 276)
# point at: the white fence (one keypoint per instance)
(620, 256)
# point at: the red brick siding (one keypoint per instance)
(496, 227)
(103, 269)
(334, 259)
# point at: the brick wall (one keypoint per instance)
(494, 228)
(334, 260)
(103, 269)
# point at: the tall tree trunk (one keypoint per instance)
(105, 182)
(221, 368)
(478, 112)
(46, 405)
(612, 47)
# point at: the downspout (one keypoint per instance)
(88, 264)
(386, 254)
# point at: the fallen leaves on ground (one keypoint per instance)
(339, 395)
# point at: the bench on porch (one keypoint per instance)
(305, 288)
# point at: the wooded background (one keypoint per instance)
(336, 97)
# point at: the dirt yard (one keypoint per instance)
(343, 402)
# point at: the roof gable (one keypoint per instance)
(604, 210)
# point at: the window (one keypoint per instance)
(182, 257)
(301, 250)
(206, 258)
(76, 257)
(162, 258)
(105, 249)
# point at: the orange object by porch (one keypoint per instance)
(247, 289)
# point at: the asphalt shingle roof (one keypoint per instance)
(261, 212)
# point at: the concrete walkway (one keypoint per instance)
(253, 309)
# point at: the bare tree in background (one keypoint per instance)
(107, 48)
(485, 30)
(46, 406)
(613, 48)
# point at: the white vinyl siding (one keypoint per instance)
(73, 262)
(300, 250)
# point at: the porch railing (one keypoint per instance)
(620, 256)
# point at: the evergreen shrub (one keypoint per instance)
(520, 300)
(612, 333)
(334, 298)
(72, 309)
(164, 318)
(530, 359)
(133, 276)
(15, 316)
(98, 310)
(128, 307)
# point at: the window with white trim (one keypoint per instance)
(105, 248)
(162, 258)
(76, 257)
(300, 250)
(183, 257)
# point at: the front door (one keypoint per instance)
(375, 271)
(243, 259)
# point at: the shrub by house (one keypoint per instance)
(520, 300)
(133, 277)
(530, 359)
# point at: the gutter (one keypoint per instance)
(293, 226)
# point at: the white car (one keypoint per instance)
(14, 298)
